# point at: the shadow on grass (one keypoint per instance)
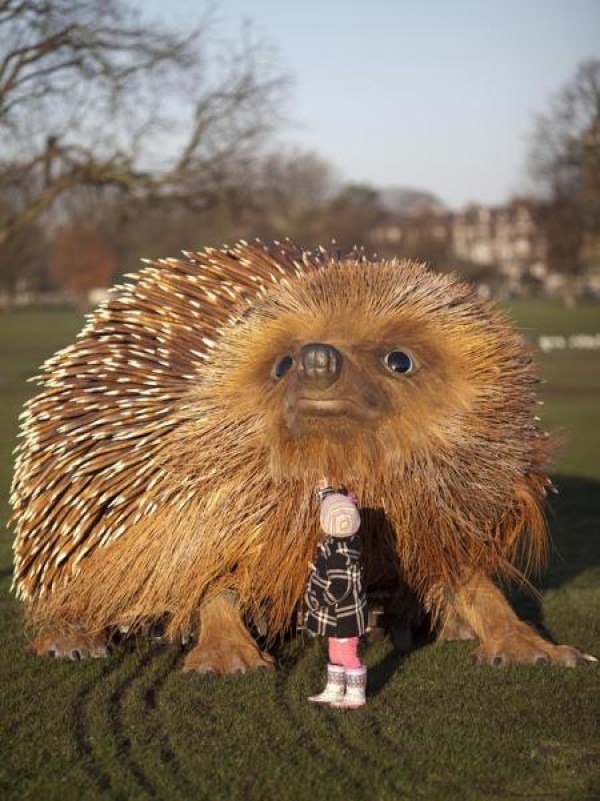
(381, 673)
(573, 519)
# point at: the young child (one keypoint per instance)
(336, 600)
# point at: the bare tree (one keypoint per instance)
(23, 261)
(81, 260)
(355, 213)
(291, 193)
(565, 161)
(91, 95)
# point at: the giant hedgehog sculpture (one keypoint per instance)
(168, 463)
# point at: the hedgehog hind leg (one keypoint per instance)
(504, 638)
(73, 645)
(224, 643)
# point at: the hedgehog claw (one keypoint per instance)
(73, 647)
(225, 661)
(527, 647)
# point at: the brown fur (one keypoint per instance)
(193, 476)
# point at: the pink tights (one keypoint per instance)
(344, 652)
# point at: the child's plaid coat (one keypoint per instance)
(335, 596)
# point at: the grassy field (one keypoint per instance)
(436, 726)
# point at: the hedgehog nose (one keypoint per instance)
(321, 364)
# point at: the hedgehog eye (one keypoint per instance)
(399, 361)
(281, 366)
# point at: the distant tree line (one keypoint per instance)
(119, 140)
(565, 162)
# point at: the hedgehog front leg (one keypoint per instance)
(504, 638)
(224, 643)
(454, 627)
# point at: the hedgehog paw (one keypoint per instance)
(69, 646)
(527, 647)
(225, 644)
(223, 658)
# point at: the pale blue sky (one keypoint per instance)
(434, 95)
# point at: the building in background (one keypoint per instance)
(509, 239)
(504, 248)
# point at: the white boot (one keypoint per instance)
(334, 691)
(356, 685)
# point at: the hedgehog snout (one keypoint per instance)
(320, 364)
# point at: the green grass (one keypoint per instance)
(571, 392)
(436, 726)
